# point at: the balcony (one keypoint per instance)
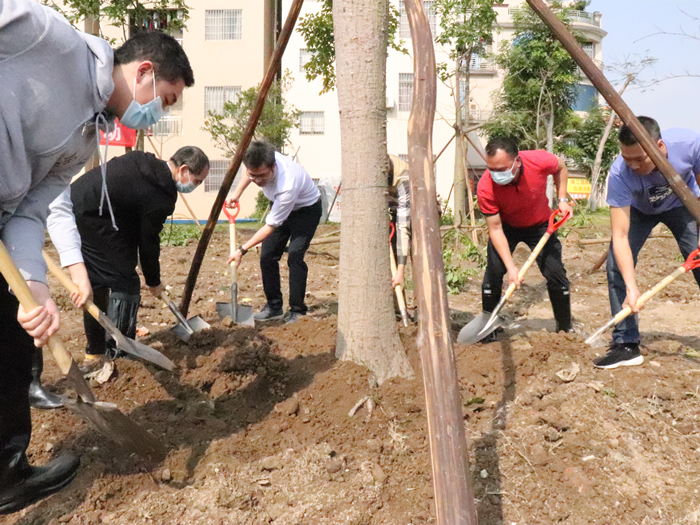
(576, 17)
(167, 126)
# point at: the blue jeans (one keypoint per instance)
(684, 229)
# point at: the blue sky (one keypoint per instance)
(675, 102)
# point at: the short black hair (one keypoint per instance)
(169, 59)
(259, 154)
(627, 138)
(507, 144)
(192, 157)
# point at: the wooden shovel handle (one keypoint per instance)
(24, 295)
(69, 285)
(528, 263)
(233, 248)
(398, 289)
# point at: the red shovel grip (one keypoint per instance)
(232, 217)
(555, 225)
(693, 261)
(393, 231)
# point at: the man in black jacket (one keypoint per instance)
(143, 191)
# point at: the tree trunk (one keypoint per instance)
(460, 189)
(367, 328)
(595, 172)
(550, 148)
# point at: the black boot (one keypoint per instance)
(39, 397)
(123, 310)
(21, 484)
(561, 305)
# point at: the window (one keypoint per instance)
(311, 123)
(405, 91)
(223, 24)
(168, 21)
(586, 98)
(589, 48)
(167, 125)
(405, 30)
(216, 96)
(304, 57)
(217, 172)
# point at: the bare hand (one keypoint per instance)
(41, 322)
(398, 279)
(632, 298)
(231, 202)
(236, 257)
(79, 275)
(514, 278)
(565, 207)
(157, 291)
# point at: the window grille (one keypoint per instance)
(405, 91)
(216, 96)
(304, 57)
(167, 126)
(217, 172)
(223, 24)
(312, 123)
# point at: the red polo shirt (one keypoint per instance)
(523, 204)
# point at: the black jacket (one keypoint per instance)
(143, 195)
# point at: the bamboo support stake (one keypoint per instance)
(192, 214)
(618, 105)
(246, 138)
(454, 500)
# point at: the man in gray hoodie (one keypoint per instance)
(58, 87)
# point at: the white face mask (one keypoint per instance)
(503, 177)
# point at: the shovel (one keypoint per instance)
(239, 313)
(185, 327)
(397, 289)
(104, 417)
(124, 343)
(691, 263)
(485, 323)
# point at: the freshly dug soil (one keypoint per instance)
(258, 430)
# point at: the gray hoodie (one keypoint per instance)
(53, 82)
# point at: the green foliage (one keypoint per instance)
(541, 80)
(465, 26)
(275, 125)
(119, 13)
(179, 234)
(317, 30)
(457, 275)
(446, 217)
(262, 206)
(583, 140)
(582, 218)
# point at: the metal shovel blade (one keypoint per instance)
(239, 313)
(185, 329)
(478, 328)
(111, 423)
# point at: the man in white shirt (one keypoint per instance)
(294, 216)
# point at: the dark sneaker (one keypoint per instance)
(268, 314)
(293, 317)
(38, 483)
(620, 354)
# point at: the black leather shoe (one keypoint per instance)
(38, 483)
(41, 398)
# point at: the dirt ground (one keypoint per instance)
(257, 428)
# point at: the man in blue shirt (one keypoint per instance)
(640, 198)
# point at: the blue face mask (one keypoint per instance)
(503, 177)
(186, 188)
(139, 116)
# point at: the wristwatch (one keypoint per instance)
(564, 199)
(242, 250)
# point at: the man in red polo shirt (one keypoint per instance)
(512, 195)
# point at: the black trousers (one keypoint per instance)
(16, 349)
(298, 230)
(549, 262)
(111, 261)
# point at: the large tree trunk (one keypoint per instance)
(367, 330)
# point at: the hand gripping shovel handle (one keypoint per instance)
(397, 289)
(24, 295)
(553, 226)
(691, 263)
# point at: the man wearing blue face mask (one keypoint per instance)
(512, 194)
(57, 87)
(143, 191)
